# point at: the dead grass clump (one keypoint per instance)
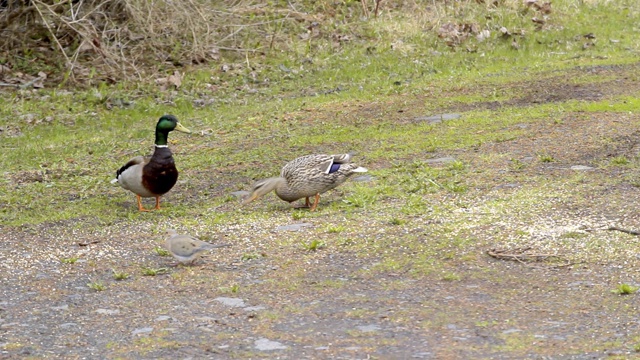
(114, 39)
(87, 41)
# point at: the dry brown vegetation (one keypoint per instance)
(120, 39)
(98, 40)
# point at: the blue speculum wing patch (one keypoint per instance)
(334, 168)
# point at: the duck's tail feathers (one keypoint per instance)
(342, 158)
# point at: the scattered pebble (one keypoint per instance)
(434, 119)
(368, 328)
(511, 331)
(163, 318)
(233, 302)
(507, 186)
(363, 178)
(143, 330)
(206, 318)
(203, 102)
(442, 160)
(107, 311)
(581, 167)
(240, 194)
(263, 344)
(293, 227)
(421, 355)
(254, 308)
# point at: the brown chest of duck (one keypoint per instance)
(155, 176)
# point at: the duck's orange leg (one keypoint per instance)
(315, 204)
(140, 207)
(157, 203)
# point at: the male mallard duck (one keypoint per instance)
(156, 176)
(186, 248)
(307, 176)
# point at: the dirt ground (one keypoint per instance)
(333, 303)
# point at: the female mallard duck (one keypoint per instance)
(307, 176)
(156, 176)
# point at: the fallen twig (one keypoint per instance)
(632, 232)
(567, 264)
(53, 34)
(22, 86)
(518, 254)
(88, 243)
(375, 12)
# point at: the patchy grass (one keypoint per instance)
(402, 254)
(625, 289)
(313, 245)
(71, 260)
(148, 271)
(120, 275)
(97, 286)
(161, 251)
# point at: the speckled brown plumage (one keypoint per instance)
(307, 176)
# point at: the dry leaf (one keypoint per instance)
(175, 79)
(505, 32)
(483, 35)
(538, 20)
(545, 8)
(214, 53)
(469, 28)
(448, 30)
(38, 83)
(86, 46)
(163, 83)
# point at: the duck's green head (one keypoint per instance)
(166, 124)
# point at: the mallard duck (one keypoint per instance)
(152, 177)
(307, 176)
(186, 248)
